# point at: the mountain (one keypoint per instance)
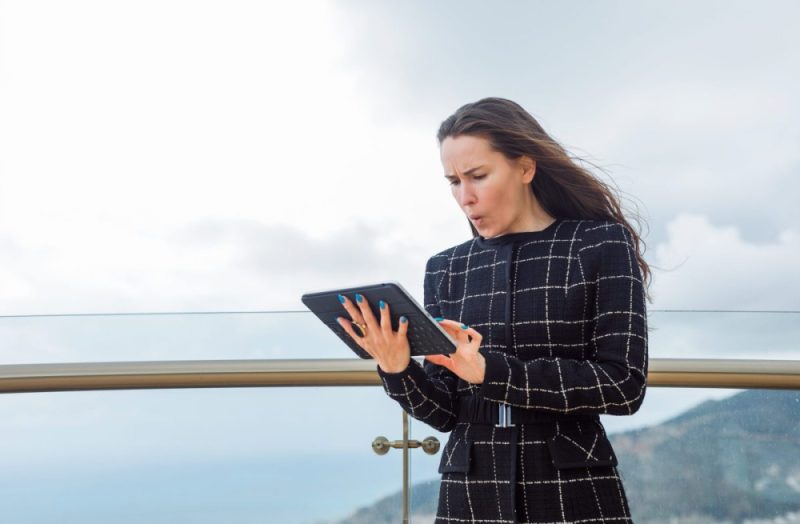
(735, 460)
(723, 460)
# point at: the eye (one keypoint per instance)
(455, 181)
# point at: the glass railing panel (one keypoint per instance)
(423, 486)
(711, 456)
(718, 334)
(275, 335)
(241, 455)
(126, 337)
(281, 335)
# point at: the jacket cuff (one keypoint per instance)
(396, 382)
(495, 380)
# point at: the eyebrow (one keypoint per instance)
(467, 172)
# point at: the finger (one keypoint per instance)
(471, 344)
(355, 312)
(454, 329)
(366, 312)
(448, 325)
(402, 329)
(455, 335)
(475, 335)
(348, 327)
(386, 318)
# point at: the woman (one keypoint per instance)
(547, 304)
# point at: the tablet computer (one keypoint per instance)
(425, 335)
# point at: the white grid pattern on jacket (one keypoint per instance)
(576, 343)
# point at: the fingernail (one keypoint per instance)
(383, 304)
(359, 297)
(438, 318)
(403, 319)
(341, 298)
(463, 326)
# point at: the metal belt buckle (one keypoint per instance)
(504, 416)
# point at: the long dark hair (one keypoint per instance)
(563, 188)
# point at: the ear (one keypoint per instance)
(528, 166)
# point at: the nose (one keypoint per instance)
(465, 195)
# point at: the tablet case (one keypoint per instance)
(425, 335)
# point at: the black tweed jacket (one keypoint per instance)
(563, 318)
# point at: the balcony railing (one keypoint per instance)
(663, 372)
(26, 378)
(297, 425)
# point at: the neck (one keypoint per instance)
(535, 218)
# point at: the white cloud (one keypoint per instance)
(712, 267)
(124, 131)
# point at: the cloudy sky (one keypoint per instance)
(230, 156)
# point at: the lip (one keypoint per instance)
(474, 217)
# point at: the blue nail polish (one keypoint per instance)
(463, 326)
(438, 318)
(403, 319)
(341, 299)
(359, 297)
(383, 304)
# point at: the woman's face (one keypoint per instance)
(490, 189)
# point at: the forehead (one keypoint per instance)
(465, 152)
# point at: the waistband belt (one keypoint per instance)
(480, 411)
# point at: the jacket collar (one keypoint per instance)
(510, 238)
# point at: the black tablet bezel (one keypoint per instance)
(434, 340)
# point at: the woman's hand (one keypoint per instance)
(390, 349)
(466, 362)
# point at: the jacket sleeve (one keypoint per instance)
(425, 391)
(614, 380)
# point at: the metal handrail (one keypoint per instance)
(76, 376)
